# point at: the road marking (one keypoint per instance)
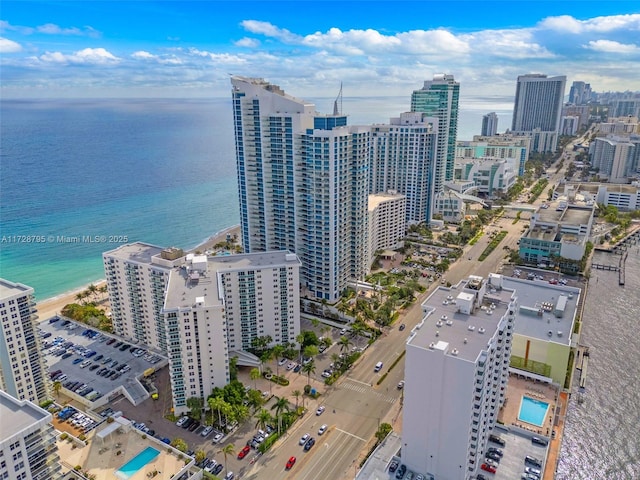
(358, 381)
(351, 434)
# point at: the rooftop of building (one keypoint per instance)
(537, 302)
(139, 252)
(193, 283)
(22, 413)
(469, 334)
(578, 212)
(592, 188)
(376, 199)
(10, 289)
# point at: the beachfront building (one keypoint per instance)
(137, 276)
(216, 306)
(489, 124)
(403, 159)
(23, 372)
(456, 373)
(616, 158)
(505, 146)
(387, 225)
(558, 233)
(537, 110)
(544, 327)
(439, 98)
(27, 441)
(302, 184)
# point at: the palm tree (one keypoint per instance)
(309, 368)
(344, 343)
(57, 385)
(228, 450)
(296, 394)
(276, 353)
(254, 375)
(80, 296)
(92, 290)
(280, 405)
(263, 418)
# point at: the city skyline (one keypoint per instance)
(79, 49)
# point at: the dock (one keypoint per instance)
(600, 266)
(623, 259)
(583, 368)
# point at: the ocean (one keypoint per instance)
(80, 177)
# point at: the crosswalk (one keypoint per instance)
(366, 389)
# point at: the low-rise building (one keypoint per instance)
(622, 196)
(505, 146)
(489, 175)
(558, 234)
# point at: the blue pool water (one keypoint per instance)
(136, 463)
(533, 411)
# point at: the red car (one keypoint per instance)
(488, 468)
(243, 453)
(291, 463)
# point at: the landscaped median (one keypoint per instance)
(395, 362)
(492, 245)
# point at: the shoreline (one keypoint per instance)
(52, 306)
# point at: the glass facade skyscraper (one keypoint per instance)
(439, 98)
(303, 185)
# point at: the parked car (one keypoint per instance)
(182, 421)
(539, 441)
(533, 461)
(207, 430)
(400, 384)
(488, 468)
(393, 466)
(497, 439)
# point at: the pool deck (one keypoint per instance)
(519, 387)
(101, 458)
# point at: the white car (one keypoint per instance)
(291, 366)
(322, 429)
(320, 410)
(304, 439)
(182, 421)
(217, 437)
(207, 430)
(343, 331)
(282, 361)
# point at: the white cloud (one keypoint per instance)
(610, 46)
(566, 23)
(9, 46)
(517, 43)
(247, 42)
(269, 30)
(161, 59)
(87, 56)
(142, 54)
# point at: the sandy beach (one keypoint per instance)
(52, 306)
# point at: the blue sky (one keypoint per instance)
(376, 48)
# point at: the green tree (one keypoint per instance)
(281, 405)
(296, 394)
(254, 375)
(344, 344)
(276, 353)
(263, 418)
(383, 430)
(57, 386)
(92, 291)
(179, 444)
(229, 449)
(233, 368)
(310, 351)
(195, 405)
(254, 397)
(200, 455)
(309, 368)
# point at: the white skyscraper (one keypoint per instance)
(303, 184)
(28, 447)
(216, 306)
(537, 110)
(23, 373)
(456, 373)
(489, 124)
(404, 159)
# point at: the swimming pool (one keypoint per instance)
(533, 411)
(130, 468)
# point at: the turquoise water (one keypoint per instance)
(533, 411)
(130, 468)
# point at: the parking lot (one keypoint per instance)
(512, 464)
(93, 364)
